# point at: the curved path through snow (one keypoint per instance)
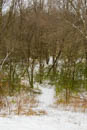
(54, 120)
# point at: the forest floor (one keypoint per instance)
(52, 118)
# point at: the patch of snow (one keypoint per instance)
(54, 120)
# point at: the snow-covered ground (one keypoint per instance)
(55, 119)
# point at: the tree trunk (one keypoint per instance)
(41, 70)
(1, 22)
(32, 74)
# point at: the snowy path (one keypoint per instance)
(54, 120)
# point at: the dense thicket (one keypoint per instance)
(34, 31)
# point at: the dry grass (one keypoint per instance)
(76, 103)
(35, 113)
(31, 112)
(2, 104)
(33, 102)
(42, 112)
(22, 104)
(18, 104)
